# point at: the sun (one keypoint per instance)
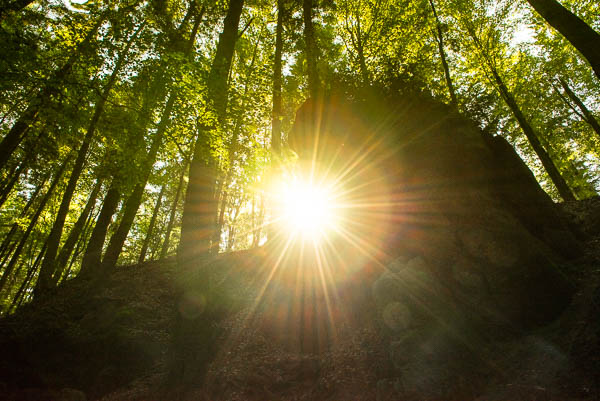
(307, 209)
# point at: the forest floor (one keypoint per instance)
(112, 343)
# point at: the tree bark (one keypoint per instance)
(360, 49)
(200, 205)
(189, 362)
(48, 267)
(440, 42)
(217, 83)
(81, 242)
(146, 242)
(165, 246)
(222, 191)
(311, 50)
(585, 39)
(93, 254)
(587, 114)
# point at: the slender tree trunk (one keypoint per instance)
(277, 83)
(18, 298)
(89, 226)
(311, 50)
(146, 243)
(15, 136)
(231, 235)
(67, 249)
(48, 268)
(258, 228)
(33, 244)
(560, 183)
(5, 248)
(587, 114)
(11, 180)
(360, 49)
(166, 243)
(17, 253)
(573, 28)
(7, 189)
(93, 254)
(440, 41)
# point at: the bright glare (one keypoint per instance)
(307, 209)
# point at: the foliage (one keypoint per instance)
(58, 60)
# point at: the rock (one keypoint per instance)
(452, 191)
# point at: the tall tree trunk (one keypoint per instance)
(15, 136)
(217, 84)
(93, 254)
(440, 41)
(573, 28)
(560, 183)
(166, 243)
(587, 114)
(200, 206)
(222, 191)
(189, 361)
(47, 270)
(146, 242)
(67, 249)
(311, 50)
(360, 49)
(17, 253)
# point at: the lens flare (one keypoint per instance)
(307, 209)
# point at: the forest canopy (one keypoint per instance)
(137, 130)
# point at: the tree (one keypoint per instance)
(199, 213)
(573, 28)
(48, 268)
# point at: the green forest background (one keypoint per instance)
(108, 109)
